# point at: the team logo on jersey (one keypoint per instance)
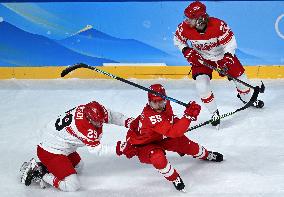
(207, 46)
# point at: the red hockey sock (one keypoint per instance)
(160, 162)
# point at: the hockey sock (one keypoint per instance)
(169, 172)
(160, 162)
(243, 90)
(202, 153)
(204, 90)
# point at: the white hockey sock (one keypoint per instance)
(243, 90)
(204, 90)
(69, 184)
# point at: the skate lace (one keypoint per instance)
(38, 174)
(177, 181)
(211, 156)
(255, 103)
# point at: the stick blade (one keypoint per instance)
(69, 69)
(262, 88)
(252, 99)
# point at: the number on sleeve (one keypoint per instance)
(66, 121)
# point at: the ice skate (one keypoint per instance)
(214, 156)
(179, 185)
(32, 172)
(256, 104)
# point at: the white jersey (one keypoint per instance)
(217, 40)
(73, 130)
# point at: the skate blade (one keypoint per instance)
(217, 127)
(183, 190)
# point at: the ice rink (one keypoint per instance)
(252, 141)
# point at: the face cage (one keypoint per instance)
(193, 22)
(158, 105)
(96, 124)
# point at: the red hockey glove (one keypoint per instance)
(225, 63)
(192, 56)
(124, 148)
(132, 123)
(192, 111)
(128, 122)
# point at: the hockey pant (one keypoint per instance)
(155, 154)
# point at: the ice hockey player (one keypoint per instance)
(59, 161)
(212, 42)
(158, 130)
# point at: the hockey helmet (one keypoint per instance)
(195, 10)
(156, 102)
(157, 88)
(95, 113)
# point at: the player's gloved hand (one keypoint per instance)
(192, 56)
(124, 148)
(132, 123)
(192, 111)
(225, 63)
(128, 122)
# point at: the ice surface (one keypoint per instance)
(252, 141)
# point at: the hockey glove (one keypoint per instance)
(192, 111)
(192, 56)
(128, 122)
(132, 123)
(124, 148)
(225, 63)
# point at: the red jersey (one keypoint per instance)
(154, 126)
(217, 40)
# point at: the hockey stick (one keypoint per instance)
(82, 65)
(261, 88)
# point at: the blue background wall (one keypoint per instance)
(35, 34)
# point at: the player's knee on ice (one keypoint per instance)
(70, 184)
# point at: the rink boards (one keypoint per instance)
(139, 72)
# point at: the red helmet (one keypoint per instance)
(157, 88)
(195, 10)
(95, 112)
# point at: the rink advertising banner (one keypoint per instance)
(53, 34)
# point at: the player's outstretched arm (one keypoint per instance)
(119, 119)
(179, 127)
